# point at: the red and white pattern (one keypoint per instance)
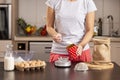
(72, 52)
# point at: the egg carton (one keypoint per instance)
(30, 66)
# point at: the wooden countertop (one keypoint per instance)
(113, 39)
(53, 73)
(33, 38)
(48, 38)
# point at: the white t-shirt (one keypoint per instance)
(69, 21)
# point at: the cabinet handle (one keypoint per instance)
(47, 47)
(47, 50)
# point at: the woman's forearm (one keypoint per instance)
(88, 36)
(50, 21)
(89, 29)
(51, 31)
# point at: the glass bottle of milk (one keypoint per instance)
(8, 58)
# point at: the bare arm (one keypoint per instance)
(89, 32)
(50, 25)
(50, 21)
(89, 28)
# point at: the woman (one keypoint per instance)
(73, 21)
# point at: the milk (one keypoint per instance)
(9, 63)
(8, 58)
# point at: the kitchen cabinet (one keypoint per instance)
(21, 45)
(3, 44)
(40, 45)
(91, 46)
(115, 52)
(42, 50)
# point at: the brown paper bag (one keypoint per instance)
(101, 50)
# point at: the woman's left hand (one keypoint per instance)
(79, 50)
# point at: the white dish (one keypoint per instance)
(81, 66)
(63, 62)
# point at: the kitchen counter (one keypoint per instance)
(48, 38)
(113, 39)
(33, 38)
(53, 73)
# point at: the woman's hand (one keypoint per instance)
(57, 37)
(79, 50)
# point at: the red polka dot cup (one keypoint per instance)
(71, 49)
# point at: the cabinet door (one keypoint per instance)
(115, 52)
(91, 47)
(3, 44)
(42, 50)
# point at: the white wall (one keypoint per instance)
(34, 11)
(105, 8)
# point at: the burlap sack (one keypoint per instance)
(101, 50)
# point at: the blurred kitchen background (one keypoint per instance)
(34, 12)
(33, 37)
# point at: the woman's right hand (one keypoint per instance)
(57, 37)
